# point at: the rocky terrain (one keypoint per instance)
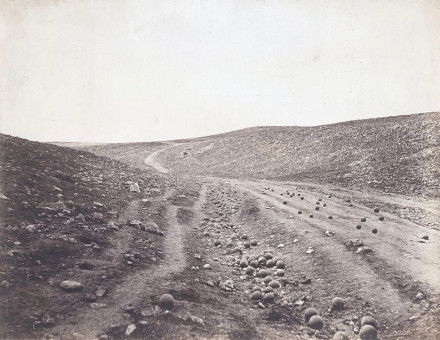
(263, 233)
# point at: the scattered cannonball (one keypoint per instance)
(249, 271)
(425, 237)
(255, 288)
(374, 231)
(363, 219)
(268, 289)
(217, 243)
(376, 210)
(270, 263)
(338, 303)
(166, 301)
(316, 322)
(369, 320)
(262, 260)
(247, 245)
(316, 208)
(284, 202)
(309, 312)
(269, 297)
(368, 332)
(381, 218)
(340, 335)
(263, 273)
(244, 263)
(302, 198)
(267, 279)
(330, 217)
(254, 243)
(358, 226)
(257, 295)
(254, 263)
(244, 237)
(324, 205)
(311, 215)
(274, 284)
(300, 212)
(280, 264)
(268, 256)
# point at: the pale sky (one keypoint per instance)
(118, 70)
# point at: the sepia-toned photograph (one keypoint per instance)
(205, 169)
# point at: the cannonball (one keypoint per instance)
(368, 332)
(280, 264)
(316, 322)
(263, 273)
(374, 231)
(358, 226)
(269, 297)
(363, 219)
(381, 218)
(274, 284)
(166, 301)
(244, 263)
(338, 303)
(270, 263)
(268, 256)
(257, 295)
(309, 312)
(369, 320)
(249, 271)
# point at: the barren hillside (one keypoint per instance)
(396, 154)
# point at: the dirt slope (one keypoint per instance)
(396, 154)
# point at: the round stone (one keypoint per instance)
(263, 273)
(268, 256)
(280, 272)
(316, 322)
(363, 219)
(267, 279)
(249, 271)
(376, 210)
(358, 226)
(338, 303)
(374, 231)
(368, 332)
(257, 295)
(271, 263)
(309, 312)
(369, 320)
(244, 263)
(269, 297)
(381, 218)
(280, 264)
(166, 301)
(274, 284)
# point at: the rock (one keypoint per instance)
(381, 218)
(358, 226)
(425, 237)
(329, 233)
(100, 292)
(274, 284)
(97, 216)
(310, 250)
(271, 263)
(134, 187)
(309, 312)
(227, 285)
(280, 272)
(368, 332)
(363, 219)
(249, 271)
(166, 301)
(374, 231)
(152, 228)
(71, 286)
(130, 329)
(420, 296)
(330, 217)
(369, 320)
(376, 210)
(244, 263)
(316, 322)
(5, 284)
(338, 303)
(340, 335)
(207, 266)
(364, 250)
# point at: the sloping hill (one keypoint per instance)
(62, 211)
(395, 154)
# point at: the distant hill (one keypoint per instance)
(394, 154)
